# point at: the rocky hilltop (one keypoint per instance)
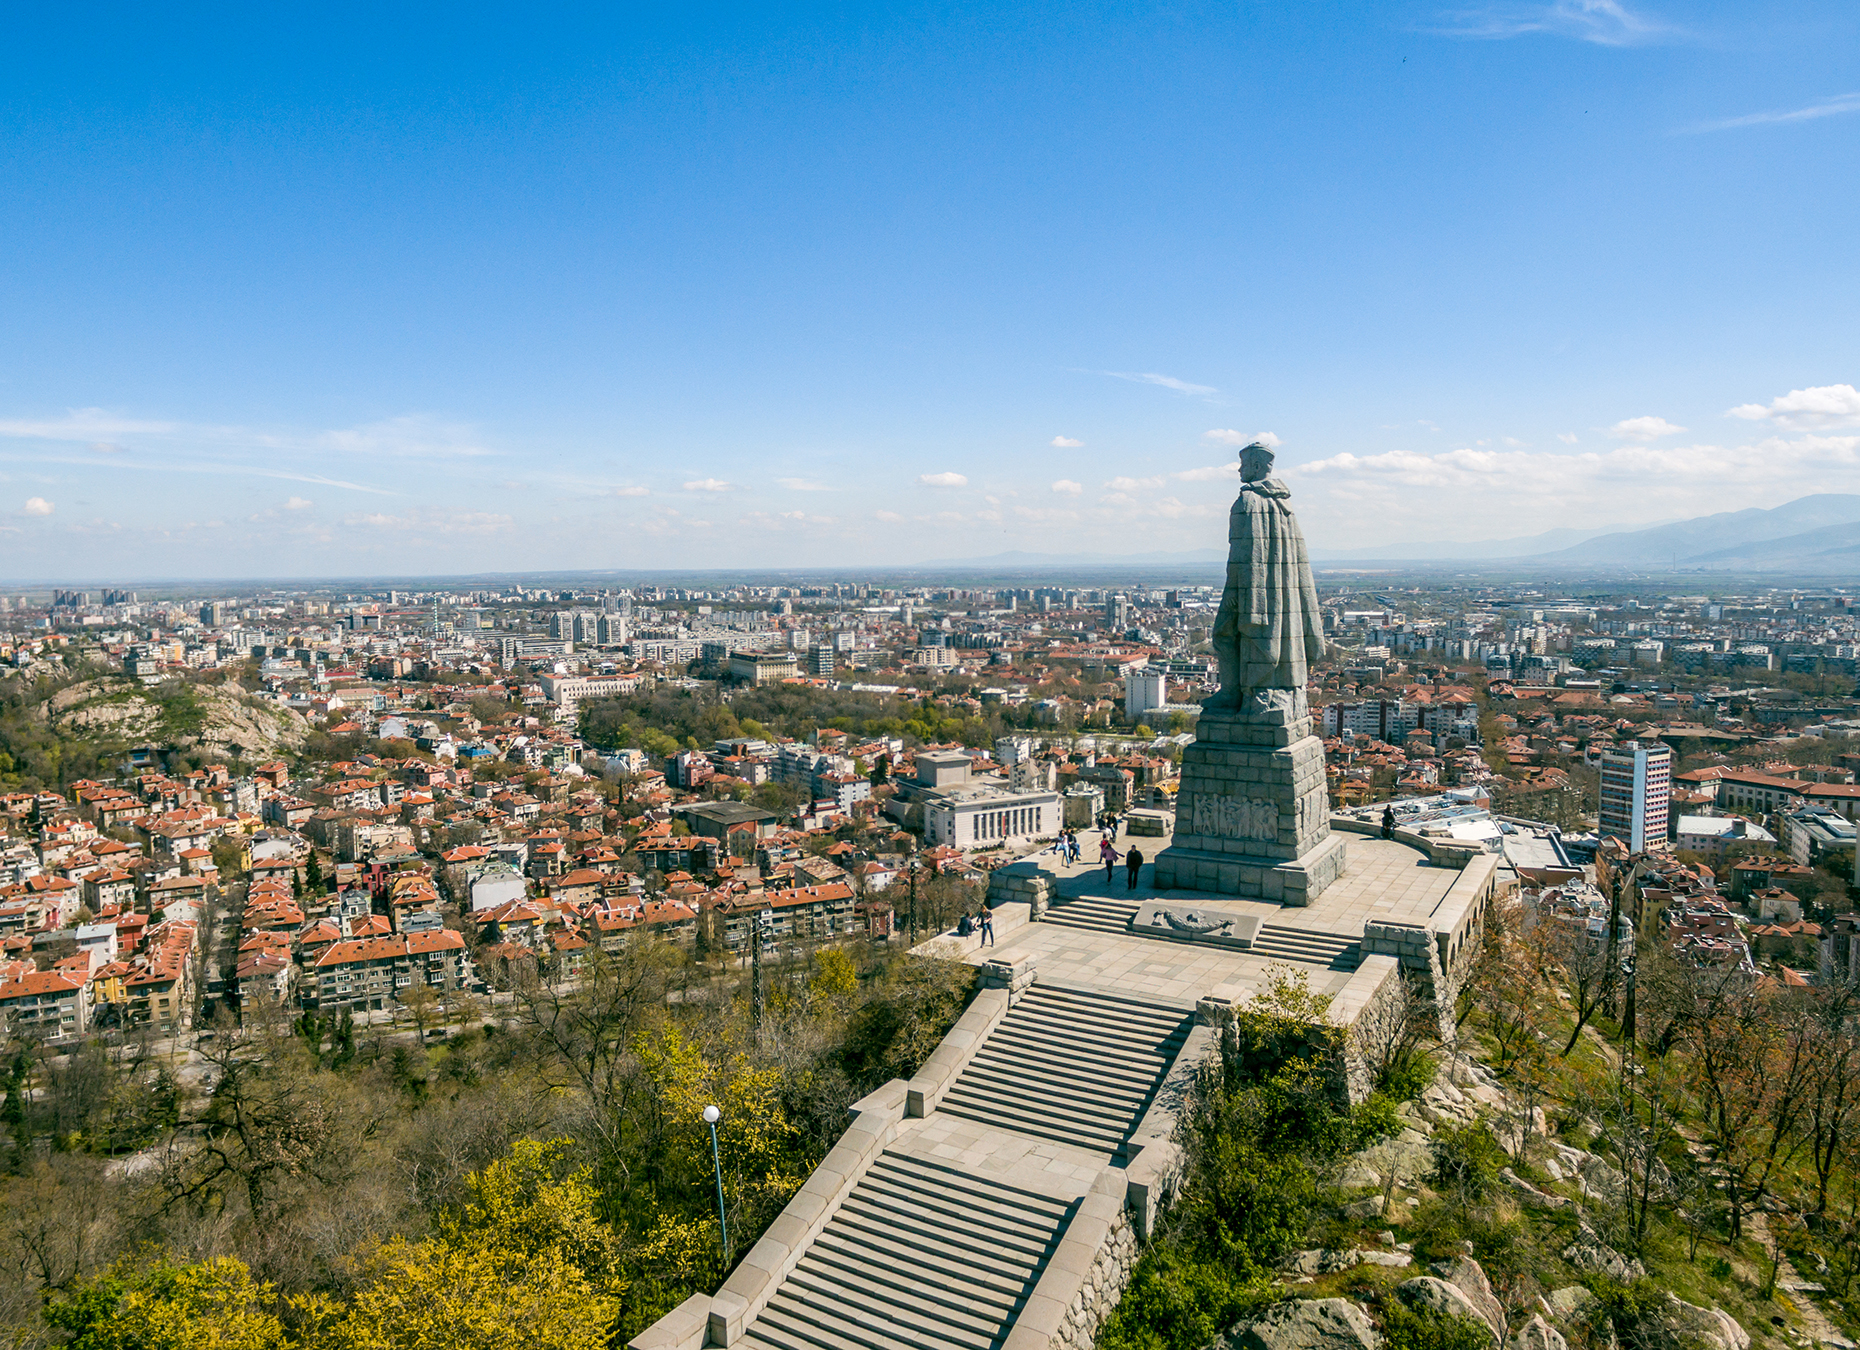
(216, 720)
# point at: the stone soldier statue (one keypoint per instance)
(1269, 630)
(1252, 813)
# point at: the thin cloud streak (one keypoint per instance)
(1838, 106)
(1161, 381)
(1605, 23)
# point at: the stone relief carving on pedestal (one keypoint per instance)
(1236, 818)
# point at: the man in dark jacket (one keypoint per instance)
(1133, 864)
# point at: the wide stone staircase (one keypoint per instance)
(1338, 951)
(919, 1255)
(1096, 913)
(1073, 1066)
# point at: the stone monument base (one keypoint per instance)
(1252, 814)
(1297, 882)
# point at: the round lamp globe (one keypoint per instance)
(712, 1115)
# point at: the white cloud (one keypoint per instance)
(630, 491)
(1067, 485)
(1119, 499)
(1827, 405)
(942, 480)
(1161, 381)
(1228, 436)
(1134, 484)
(1357, 501)
(37, 506)
(889, 517)
(1567, 437)
(803, 485)
(298, 504)
(1209, 472)
(1065, 443)
(707, 485)
(1643, 429)
(107, 448)
(1606, 23)
(417, 522)
(1836, 106)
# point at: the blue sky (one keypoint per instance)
(327, 291)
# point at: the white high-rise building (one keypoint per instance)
(1636, 794)
(1144, 690)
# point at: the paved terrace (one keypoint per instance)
(1084, 943)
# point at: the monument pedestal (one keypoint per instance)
(1252, 815)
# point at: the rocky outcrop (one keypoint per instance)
(1713, 1328)
(1468, 1276)
(1588, 1252)
(1308, 1324)
(1320, 1262)
(1449, 1300)
(1538, 1334)
(219, 721)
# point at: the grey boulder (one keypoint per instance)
(1449, 1300)
(1308, 1324)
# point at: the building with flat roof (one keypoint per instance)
(1636, 792)
(763, 667)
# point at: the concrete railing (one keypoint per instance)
(953, 1053)
(1085, 1275)
(719, 1319)
(950, 946)
(1440, 852)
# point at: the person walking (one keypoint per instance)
(988, 925)
(1388, 822)
(1133, 866)
(1108, 856)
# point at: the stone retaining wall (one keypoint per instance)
(954, 1051)
(1022, 883)
(1147, 824)
(1086, 1275)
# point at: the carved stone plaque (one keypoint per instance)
(1235, 818)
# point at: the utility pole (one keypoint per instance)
(757, 932)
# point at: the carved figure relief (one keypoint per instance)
(1236, 818)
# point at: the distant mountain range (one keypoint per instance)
(1813, 534)
(1819, 533)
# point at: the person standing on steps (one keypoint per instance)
(1133, 867)
(1108, 856)
(988, 926)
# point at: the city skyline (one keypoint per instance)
(785, 290)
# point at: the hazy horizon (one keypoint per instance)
(432, 292)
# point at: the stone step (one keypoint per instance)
(907, 1282)
(1070, 1065)
(1338, 950)
(921, 1256)
(884, 1205)
(1133, 1048)
(1136, 1044)
(934, 1264)
(1095, 1114)
(1028, 1209)
(1092, 913)
(819, 1287)
(1025, 1061)
(944, 1258)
